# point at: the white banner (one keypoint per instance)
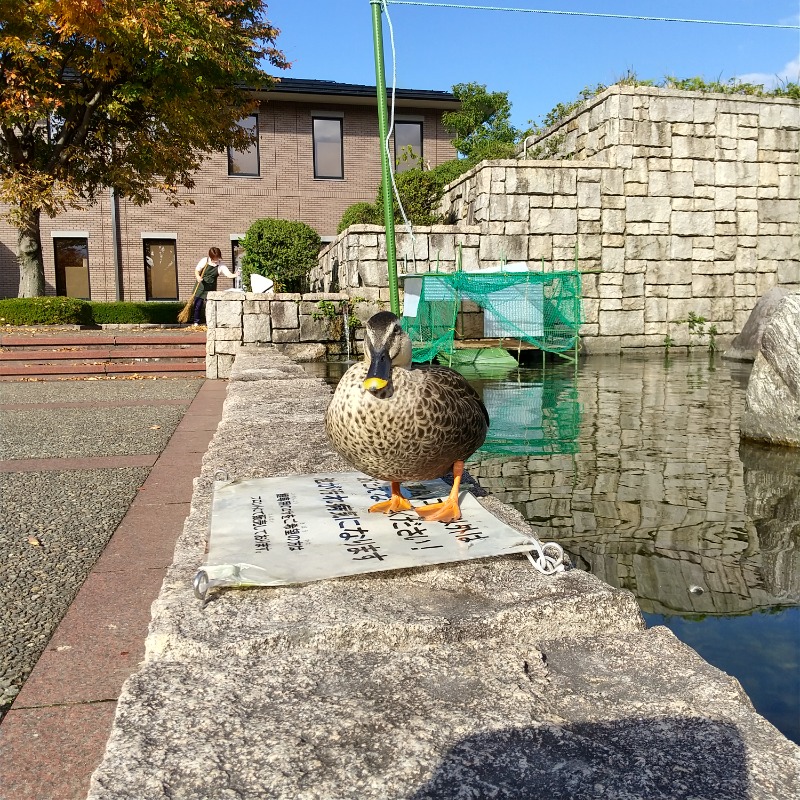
(303, 528)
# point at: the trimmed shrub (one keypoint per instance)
(72, 311)
(281, 250)
(421, 190)
(45, 311)
(359, 214)
(124, 313)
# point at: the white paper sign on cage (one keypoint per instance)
(303, 528)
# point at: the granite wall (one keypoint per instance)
(668, 202)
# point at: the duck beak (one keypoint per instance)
(379, 372)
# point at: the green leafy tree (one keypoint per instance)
(482, 124)
(119, 93)
(281, 250)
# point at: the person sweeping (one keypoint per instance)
(206, 272)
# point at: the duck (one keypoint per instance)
(398, 424)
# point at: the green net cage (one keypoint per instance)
(508, 308)
(534, 417)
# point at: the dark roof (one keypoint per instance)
(332, 89)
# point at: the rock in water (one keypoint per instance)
(745, 346)
(772, 408)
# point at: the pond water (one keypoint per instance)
(635, 466)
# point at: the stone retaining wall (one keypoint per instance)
(307, 327)
(676, 202)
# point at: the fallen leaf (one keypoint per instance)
(155, 427)
(34, 541)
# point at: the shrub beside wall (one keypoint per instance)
(72, 311)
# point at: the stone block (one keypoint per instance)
(670, 273)
(703, 173)
(779, 211)
(284, 314)
(224, 335)
(633, 303)
(589, 214)
(553, 221)
(256, 304)
(654, 248)
(613, 220)
(621, 323)
(497, 248)
(588, 194)
(779, 139)
(671, 184)
(633, 285)
(655, 309)
(286, 335)
(228, 314)
(735, 173)
(257, 328)
(789, 186)
(230, 348)
(650, 209)
(373, 273)
(725, 247)
(680, 247)
(688, 223)
(776, 247)
(562, 201)
(508, 207)
(612, 259)
(611, 182)
(540, 247)
(692, 147)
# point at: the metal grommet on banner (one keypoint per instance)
(200, 584)
(546, 558)
(221, 475)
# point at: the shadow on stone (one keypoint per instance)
(667, 757)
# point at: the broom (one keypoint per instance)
(186, 311)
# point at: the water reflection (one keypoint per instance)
(656, 499)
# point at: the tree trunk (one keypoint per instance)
(29, 252)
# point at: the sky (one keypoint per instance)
(538, 59)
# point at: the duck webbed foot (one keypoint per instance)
(395, 503)
(449, 510)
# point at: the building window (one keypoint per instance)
(246, 162)
(160, 269)
(407, 145)
(72, 266)
(328, 150)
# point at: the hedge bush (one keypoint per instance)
(72, 311)
(45, 311)
(282, 250)
(359, 214)
(124, 313)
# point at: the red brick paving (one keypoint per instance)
(55, 734)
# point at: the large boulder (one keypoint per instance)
(745, 346)
(772, 408)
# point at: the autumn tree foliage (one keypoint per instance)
(118, 93)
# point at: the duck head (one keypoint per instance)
(386, 345)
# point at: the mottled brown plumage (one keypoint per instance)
(399, 424)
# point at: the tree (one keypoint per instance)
(482, 126)
(119, 93)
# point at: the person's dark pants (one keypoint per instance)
(197, 310)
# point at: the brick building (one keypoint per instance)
(316, 153)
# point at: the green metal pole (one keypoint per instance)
(383, 127)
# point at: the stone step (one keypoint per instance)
(45, 355)
(193, 352)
